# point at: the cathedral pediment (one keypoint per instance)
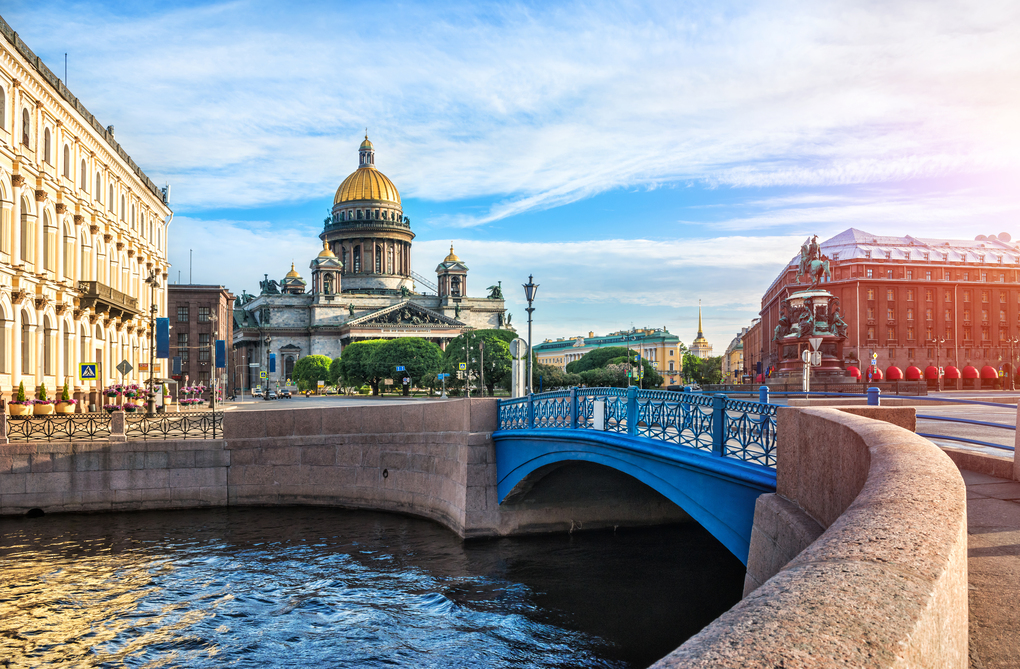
(406, 313)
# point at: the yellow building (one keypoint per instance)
(733, 359)
(81, 228)
(658, 346)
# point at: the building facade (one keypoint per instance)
(915, 302)
(199, 315)
(81, 229)
(733, 368)
(360, 287)
(753, 350)
(658, 346)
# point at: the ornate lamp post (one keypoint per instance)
(212, 362)
(530, 288)
(938, 342)
(1013, 341)
(150, 401)
(265, 391)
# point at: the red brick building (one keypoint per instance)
(916, 302)
(199, 315)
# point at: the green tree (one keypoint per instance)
(420, 359)
(600, 357)
(311, 369)
(702, 371)
(497, 357)
(357, 367)
(336, 372)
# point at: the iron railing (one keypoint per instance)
(59, 427)
(737, 429)
(97, 426)
(187, 425)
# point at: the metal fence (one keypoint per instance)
(917, 388)
(59, 427)
(99, 426)
(724, 427)
(188, 425)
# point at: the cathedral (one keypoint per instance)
(360, 286)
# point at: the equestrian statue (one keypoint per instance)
(812, 263)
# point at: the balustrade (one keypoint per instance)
(723, 427)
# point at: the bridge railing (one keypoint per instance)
(724, 427)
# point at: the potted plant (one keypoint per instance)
(43, 406)
(110, 408)
(66, 403)
(131, 407)
(20, 405)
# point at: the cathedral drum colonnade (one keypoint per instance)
(362, 286)
(81, 228)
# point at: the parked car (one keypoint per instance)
(285, 394)
(272, 395)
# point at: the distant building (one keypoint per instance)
(656, 345)
(915, 302)
(199, 315)
(752, 349)
(733, 359)
(701, 348)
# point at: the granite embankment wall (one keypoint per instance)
(859, 559)
(430, 459)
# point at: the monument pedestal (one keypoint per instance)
(806, 315)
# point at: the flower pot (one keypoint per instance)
(65, 407)
(130, 409)
(21, 409)
(42, 409)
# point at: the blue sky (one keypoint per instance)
(635, 157)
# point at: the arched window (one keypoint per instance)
(99, 184)
(133, 214)
(359, 214)
(25, 125)
(26, 232)
(378, 259)
(48, 242)
(389, 259)
(327, 284)
(3, 113)
(3, 321)
(343, 258)
(68, 255)
(110, 202)
(26, 344)
(47, 146)
(49, 334)
(356, 257)
(67, 161)
(122, 208)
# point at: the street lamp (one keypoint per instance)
(150, 401)
(1013, 341)
(265, 391)
(530, 288)
(938, 342)
(212, 361)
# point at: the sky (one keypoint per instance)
(637, 158)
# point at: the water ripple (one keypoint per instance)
(308, 587)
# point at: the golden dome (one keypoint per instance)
(292, 274)
(325, 252)
(367, 183)
(366, 144)
(453, 256)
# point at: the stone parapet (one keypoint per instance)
(885, 583)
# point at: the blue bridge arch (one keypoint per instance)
(709, 456)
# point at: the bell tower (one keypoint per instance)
(452, 275)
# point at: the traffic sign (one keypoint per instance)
(400, 368)
(407, 381)
(124, 367)
(87, 371)
(442, 376)
(815, 343)
(462, 366)
(263, 375)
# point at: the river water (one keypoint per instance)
(315, 587)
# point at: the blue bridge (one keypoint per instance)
(710, 455)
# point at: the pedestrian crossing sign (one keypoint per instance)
(87, 371)
(462, 366)
(263, 375)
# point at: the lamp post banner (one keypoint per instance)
(162, 337)
(221, 354)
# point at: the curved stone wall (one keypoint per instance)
(885, 584)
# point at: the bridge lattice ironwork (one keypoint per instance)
(724, 427)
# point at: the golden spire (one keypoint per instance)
(699, 319)
(292, 274)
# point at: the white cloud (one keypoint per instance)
(248, 103)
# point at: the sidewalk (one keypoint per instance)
(993, 528)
